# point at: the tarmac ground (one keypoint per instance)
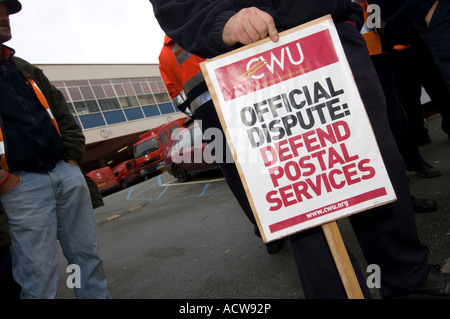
(161, 239)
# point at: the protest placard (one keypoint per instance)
(298, 130)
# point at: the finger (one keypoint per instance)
(255, 30)
(244, 38)
(271, 29)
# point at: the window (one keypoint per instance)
(172, 128)
(119, 89)
(164, 137)
(108, 88)
(87, 93)
(146, 147)
(109, 104)
(128, 101)
(162, 98)
(147, 99)
(75, 93)
(98, 91)
(86, 107)
(71, 109)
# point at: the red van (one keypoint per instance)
(127, 173)
(105, 179)
(148, 151)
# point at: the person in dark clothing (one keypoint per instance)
(42, 189)
(378, 48)
(400, 129)
(210, 28)
(433, 16)
(438, 23)
(415, 68)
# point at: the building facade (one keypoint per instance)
(113, 105)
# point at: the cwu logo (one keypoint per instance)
(290, 55)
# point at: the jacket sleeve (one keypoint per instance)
(171, 80)
(166, 72)
(292, 13)
(197, 25)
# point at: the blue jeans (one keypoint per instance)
(41, 209)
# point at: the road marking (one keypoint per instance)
(162, 193)
(171, 183)
(113, 217)
(204, 190)
(132, 188)
(131, 196)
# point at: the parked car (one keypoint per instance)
(105, 180)
(188, 154)
(127, 173)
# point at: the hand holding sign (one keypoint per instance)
(249, 25)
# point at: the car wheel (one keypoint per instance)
(180, 173)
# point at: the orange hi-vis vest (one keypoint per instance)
(370, 35)
(44, 103)
(181, 72)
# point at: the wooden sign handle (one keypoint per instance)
(342, 260)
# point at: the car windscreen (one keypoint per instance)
(146, 147)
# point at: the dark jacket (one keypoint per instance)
(402, 15)
(198, 28)
(403, 9)
(73, 138)
(31, 140)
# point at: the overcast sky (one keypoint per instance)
(86, 31)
